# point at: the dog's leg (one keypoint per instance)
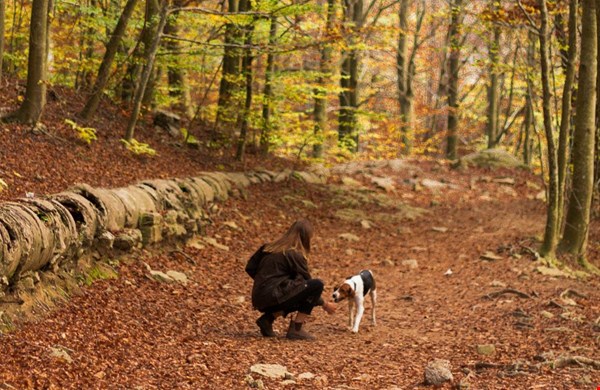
(360, 309)
(373, 303)
(350, 313)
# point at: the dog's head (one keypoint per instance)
(342, 292)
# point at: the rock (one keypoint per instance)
(437, 372)
(309, 177)
(349, 237)
(161, 276)
(490, 256)
(548, 271)
(410, 263)
(433, 184)
(350, 215)
(61, 354)
(128, 239)
(489, 158)
(348, 181)
(178, 277)
(497, 283)
(546, 314)
(505, 180)
(275, 371)
(105, 241)
(365, 224)
(254, 384)
(306, 376)
(211, 241)
(486, 349)
(388, 263)
(168, 121)
(232, 225)
(385, 183)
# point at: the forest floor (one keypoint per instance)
(474, 280)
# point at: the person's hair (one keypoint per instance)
(296, 238)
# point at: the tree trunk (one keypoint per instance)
(150, 32)
(529, 109)
(268, 91)
(2, 16)
(32, 107)
(109, 55)
(149, 65)
(453, 64)
(226, 107)
(493, 92)
(348, 125)
(565, 120)
(248, 77)
(404, 88)
(578, 214)
(176, 75)
(551, 231)
(320, 109)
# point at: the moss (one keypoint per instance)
(99, 271)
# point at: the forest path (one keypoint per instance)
(134, 332)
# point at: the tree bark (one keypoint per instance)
(150, 32)
(578, 213)
(148, 66)
(2, 16)
(32, 107)
(268, 90)
(176, 75)
(248, 77)
(453, 63)
(348, 125)
(109, 55)
(493, 92)
(320, 108)
(566, 113)
(548, 248)
(529, 109)
(405, 93)
(226, 113)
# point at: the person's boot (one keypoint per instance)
(295, 332)
(265, 323)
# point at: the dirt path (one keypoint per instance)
(134, 332)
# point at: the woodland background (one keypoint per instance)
(326, 81)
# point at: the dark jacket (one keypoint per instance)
(277, 277)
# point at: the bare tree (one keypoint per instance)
(109, 55)
(578, 213)
(494, 85)
(566, 114)
(2, 16)
(33, 105)
(148, 66)
(453, 68)
(320, 108)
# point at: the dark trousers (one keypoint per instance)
(303, 302)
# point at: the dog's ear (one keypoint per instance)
(347, 290)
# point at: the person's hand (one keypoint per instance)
(329, 307)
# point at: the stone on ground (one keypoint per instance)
(437, 372)
(275, 371)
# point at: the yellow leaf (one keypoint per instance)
(17, 174)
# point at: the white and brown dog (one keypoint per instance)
(355, 289)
